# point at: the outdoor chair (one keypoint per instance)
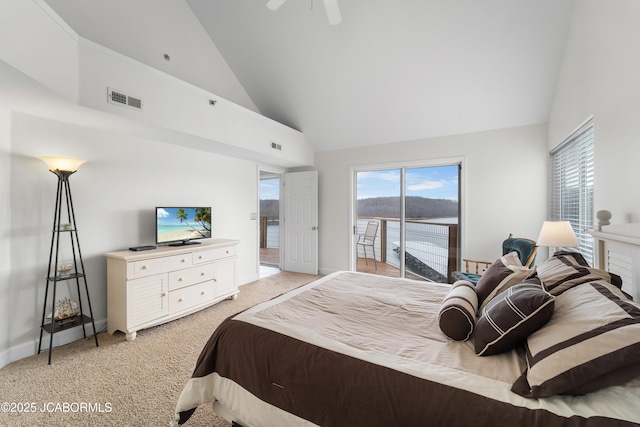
(369, 239)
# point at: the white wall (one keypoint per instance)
(146, 30)
(29, 38)
(44, 48)
(114, 194)
(505, 182)
(178, 150)
(599, 78)
(5, 227)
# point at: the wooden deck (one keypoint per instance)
(382, 269)
(271, 256)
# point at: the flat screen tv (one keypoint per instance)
(177, 226)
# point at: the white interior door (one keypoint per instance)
(301, 222)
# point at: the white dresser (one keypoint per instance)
(147, 288)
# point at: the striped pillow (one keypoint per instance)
(502, 274)
(593, 334)
(511, 317)
(565, 270)
(457, 315)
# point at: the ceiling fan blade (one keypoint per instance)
(333, 12)
(275, 4)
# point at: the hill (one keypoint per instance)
(417, 207)
(386, 207)
(270, 208)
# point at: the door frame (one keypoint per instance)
(444, 161)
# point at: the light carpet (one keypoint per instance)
(124, 383)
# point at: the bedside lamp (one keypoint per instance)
(557, 234)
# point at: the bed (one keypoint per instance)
(556, 346)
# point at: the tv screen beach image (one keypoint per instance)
(175, 224)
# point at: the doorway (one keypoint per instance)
(412, 214)
(269, 219)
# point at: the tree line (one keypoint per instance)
(416, 207)
(386, 207)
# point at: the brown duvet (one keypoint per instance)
(359, 350)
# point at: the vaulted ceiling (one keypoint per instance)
(391, 71)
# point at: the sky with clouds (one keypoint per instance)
(438, 182)
(269, 189)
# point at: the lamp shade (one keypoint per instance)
(557, 234)
(67, 164)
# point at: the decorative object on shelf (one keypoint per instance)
(557, 234)
(67, 313)
(603, 218)
(66, 309)
(65, 268)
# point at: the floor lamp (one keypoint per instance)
(63, 314)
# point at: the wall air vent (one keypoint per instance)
(119, 98)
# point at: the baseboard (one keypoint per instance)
(248, 279)
(30, 348)
(326, 271)
(18, 352)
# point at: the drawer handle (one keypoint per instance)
(164, 294)
(227, 251)
(204, 273)
(200, 257)
(215, 279)
(202, 293)
(179, 299)
(144, 267)
(180, 279)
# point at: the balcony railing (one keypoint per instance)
(431, 248)
(269, 232)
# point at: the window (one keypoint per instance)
(571, 192)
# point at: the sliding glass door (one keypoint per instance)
(415, 211)
(378, 207)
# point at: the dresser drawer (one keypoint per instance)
(213, 254)
(153, 266)
(189, 276)
(186, 298)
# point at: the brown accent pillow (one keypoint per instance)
(457, 315)
(502, 274)
(593, 335)
(511, 317)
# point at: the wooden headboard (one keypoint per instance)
(616, 249)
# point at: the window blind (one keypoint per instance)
(571, 192)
